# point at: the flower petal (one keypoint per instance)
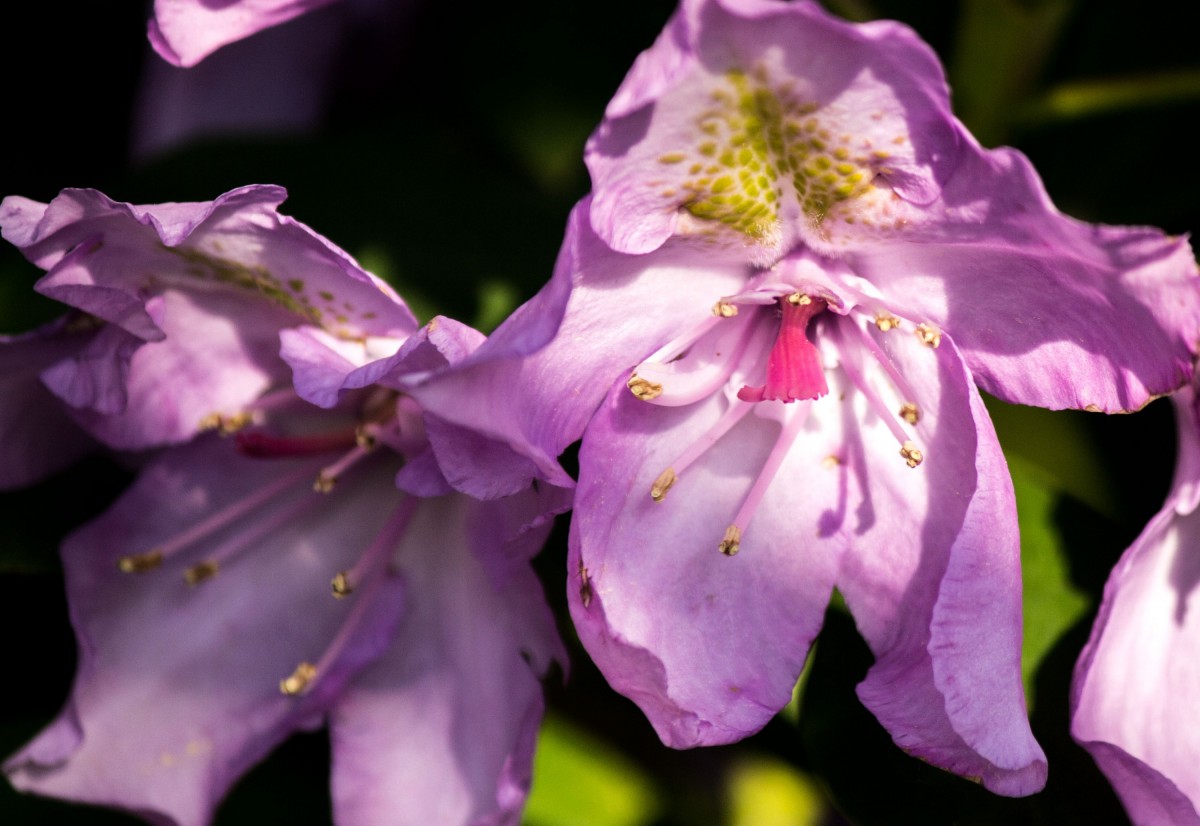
(934, 585)
(184, 32)
(442, 728)
(177, 692)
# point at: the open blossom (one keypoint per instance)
(208, 631)
(768, 322)
(176, 308)
(1137, 682)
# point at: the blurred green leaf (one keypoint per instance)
(1089, 98)
(577, 779)
(769, 792)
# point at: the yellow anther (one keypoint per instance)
(324, 482)
(732, 541)
(911, 454)
(658, 491)
(304, 674)
(799, 298)
(228, 425)
(830, 461)
(644, 390)
(201, 571)
(724, 309)
(210, 422)
(365, 438)
(929, 336)
(341, 585)
(886, 321)
(910, 413)
(140, 563)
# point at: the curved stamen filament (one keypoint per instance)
(791, 429)
(330, 474)
(138, 563)
(307, 673)
(903, 388)
(849, 362)
(346, 582)
(716, 360)
(696, 449)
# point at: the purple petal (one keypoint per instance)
(184, 32)
(442, 728)
(709, 646)
(177, 692)
(1138, 678)
(1047, 311)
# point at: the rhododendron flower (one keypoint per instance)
(184, 304)
(1138, 680)
(208, 631)
(793, 270)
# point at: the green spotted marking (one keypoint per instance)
(256, 279)
(757, 143)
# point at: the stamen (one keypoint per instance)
(910, 412)
(732, 541)
(304, 674)
(725, 309)
(140, 563)
(327, 478)
(704, 369)
(886, 321)
(377, 555)
(912, 456)
(928, 335)
(585, 585)
(228, 425)
(662, 484)
(794, 368)
(903, 388)
(643, 389)
(345, 582)
(791, 429)
(201, 571)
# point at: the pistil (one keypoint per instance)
(794, 368)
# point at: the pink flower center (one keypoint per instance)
(794, 369)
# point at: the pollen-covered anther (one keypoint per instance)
(340, 585)
(140, 563)
(799, 299)
(886, 322)
(724, 309)
(732, 541)
(228, 425)
(325, 482)
(300, 679)
(910, 412)
(643, 389)
(364, 436)
(201, 571)
(929, 336)
(911, 454)
(658, 491)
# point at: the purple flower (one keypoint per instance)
(208, 632)
(177, 308)
(184, 32)
(794, 268)
(1137, 681)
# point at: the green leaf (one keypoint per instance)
(765, 791)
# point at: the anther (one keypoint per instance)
(799, 299)
(910, 412)
(929, 336)
(228, 425)
(304, 674)
(911, 454)
(324, 483)
(732, 541)
(364, 436)
(585, 585)
(658, 491)
(724, 309)
(644, 390)
(886, 321)
(201, 571)
(140, 563)
(341, 585)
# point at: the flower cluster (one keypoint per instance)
(768, 328)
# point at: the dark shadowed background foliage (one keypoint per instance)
(449, 169)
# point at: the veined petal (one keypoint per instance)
(1047, 310)
(178, 688)
(933, 581)
(1138, 678)
(710, 646)
(442, 728)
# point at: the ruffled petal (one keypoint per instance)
(442, 728)
(1138, 679)
(178, 688)
(710, 646)
(933, 580)
(184, 32)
